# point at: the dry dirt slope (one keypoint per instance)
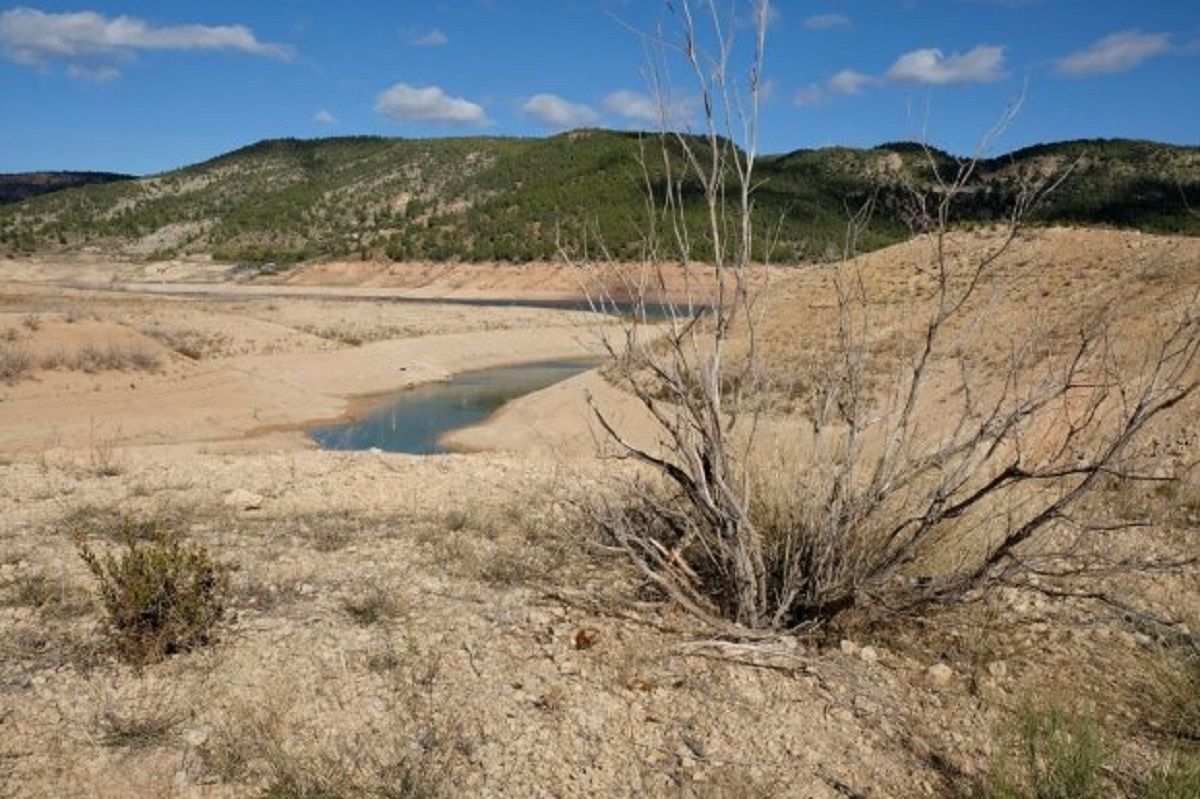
(443, 623)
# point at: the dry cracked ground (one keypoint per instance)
(451, 625)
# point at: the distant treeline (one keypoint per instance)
(23, 185)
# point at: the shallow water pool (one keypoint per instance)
(416, 419)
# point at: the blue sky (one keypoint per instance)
(147, 86)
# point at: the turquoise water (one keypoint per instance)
(415, 419)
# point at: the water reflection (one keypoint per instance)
(417, 418)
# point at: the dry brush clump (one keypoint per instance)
(924, 468)
(17, 364)
(108, 358)
(161, 595)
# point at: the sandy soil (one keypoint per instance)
(229, 370)
(538, 281)
(450, 622)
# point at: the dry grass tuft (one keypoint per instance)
(194, 344)
(373, 607)
(329, 532)
(120, 524)
(141, 728)
(1052, 754)
(15, 365)
(51, 596)
(1178, 778)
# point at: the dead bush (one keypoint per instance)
(161, 596)
(928, 464)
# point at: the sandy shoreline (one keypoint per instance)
(278, 365)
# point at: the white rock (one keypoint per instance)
(196, 736)
(940, 673)
(242, 499)
(998, 669)
(849, 647)
(868, 654)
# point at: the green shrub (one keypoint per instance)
(161, 596)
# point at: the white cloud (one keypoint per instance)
(645, 110)
(823, 22)
(323, 117)
(92, 44)
(929, 65)
(555, 112)
(849, 82)
(1116, 53)
(404, 103)
(633, 105)
(98, 73)
(808, 95)
(432, 38)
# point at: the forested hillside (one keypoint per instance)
(519, 199)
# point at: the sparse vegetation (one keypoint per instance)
(118, 524)
(1177, 700)
(15, 364)
(50, 596)
(1054, 754)
(194, 344)
(161, 596)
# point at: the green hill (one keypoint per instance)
(518, 199)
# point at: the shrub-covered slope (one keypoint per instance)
(519, 199)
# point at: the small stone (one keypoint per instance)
(196, 736)
(242, 499)
(940, 673)
(868, 654)
(998, 669)
(849, 647)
